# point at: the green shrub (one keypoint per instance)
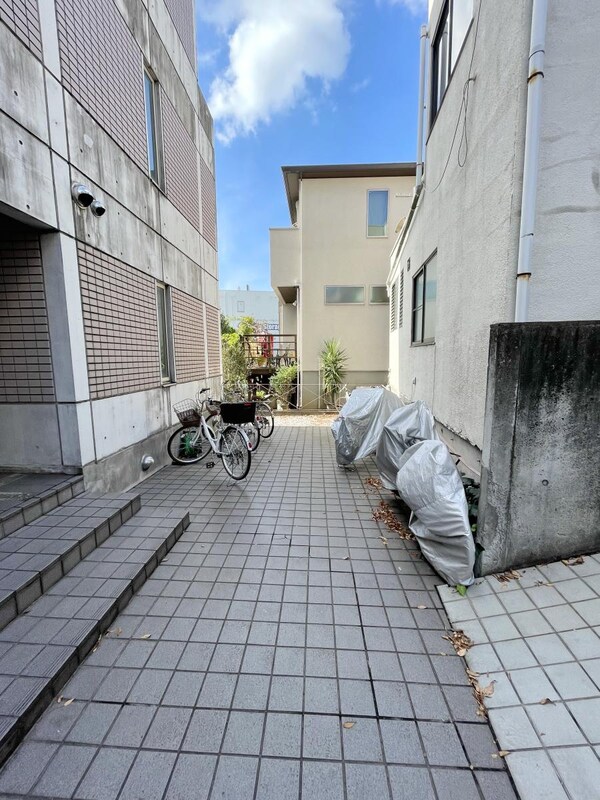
(283, 383)
(333, 368)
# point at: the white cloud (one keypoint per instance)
(275, 48)
(359, 86)
(415, 7)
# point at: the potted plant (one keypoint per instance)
(283, 383)
(333, 369)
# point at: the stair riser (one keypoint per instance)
(38, 704)
(38, 506)
(23, 597)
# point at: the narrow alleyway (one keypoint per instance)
(281, 650)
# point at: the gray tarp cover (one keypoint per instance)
(431, 487)
(358, 428)
(408, 425)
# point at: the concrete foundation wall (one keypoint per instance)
(540, 498)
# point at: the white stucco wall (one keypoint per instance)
(564, 283)
(470, 219)
(261, 306)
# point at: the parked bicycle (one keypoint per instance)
(206, 426)
(264, 413)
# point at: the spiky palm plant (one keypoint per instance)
(333, 368)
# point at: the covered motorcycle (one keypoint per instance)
(359, 426)
(406, 426)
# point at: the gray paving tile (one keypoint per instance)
(25, 766)
(167, 729)
(321, 695)
(64, 771)
(579, 770)
(283, 735)
(392, 699)
(205, 731)
(442, 744)
(93, 723)
(149, 775)
(401, 741)
(455, 783)
(322, 737)
(587, 716)
(411, 783)
(361, 742)
(322, 780)
(217, 691)
(513, 729)
(533, 770)
(235, 778)
(252, 692)
(278, 779)
(130, 726)
(106, 775)
(243, 734)
(366, 781)
(191, 777)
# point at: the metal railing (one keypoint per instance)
(268, 351)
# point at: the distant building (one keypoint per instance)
(263, 307)
(106, 319)
(329, 269)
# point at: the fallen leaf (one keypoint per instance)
(503, 753)
(68, 703)
(59, 698)
(573, 562)
(421, 607)
(511, 575)
(145, 636)
(545, 701)
(488, 691)
(349, 724)
(462, 652)
(346, 558)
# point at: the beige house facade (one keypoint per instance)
(329, 269)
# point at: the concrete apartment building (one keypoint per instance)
(262, 306)
(109, 311)
(509, 114)
(329, 269)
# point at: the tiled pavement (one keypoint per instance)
(281, 650)
(538, 639)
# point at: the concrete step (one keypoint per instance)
(25, 497)
(39, 651)
(35, 557)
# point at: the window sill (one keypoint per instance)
(428, 343)
(167, 384)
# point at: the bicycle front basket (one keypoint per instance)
(238, 413)
(187, 411)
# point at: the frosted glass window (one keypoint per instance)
(341, 295)
(379, 295)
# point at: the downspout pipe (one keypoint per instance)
(423, 44)
(535, 78)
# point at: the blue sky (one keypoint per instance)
(300, 82)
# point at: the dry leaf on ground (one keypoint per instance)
(573, 562)
(510, 575)
(145, 636)
(460, 641)
(68, 703)
(545, 701)
(374, 484)
(348, 725)
(383, 513)
(421, 606)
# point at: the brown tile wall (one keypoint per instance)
(209, 204)
(181, 163)
(25, 359)
(188, 336)
(22, 18)
(120, 322)
(213, 339)
(102, 67)
(182, 14)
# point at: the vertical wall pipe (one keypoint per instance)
(423, 43)
(535, 77)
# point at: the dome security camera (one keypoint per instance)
(98, 208)
(82, 195)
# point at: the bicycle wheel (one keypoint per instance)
(188, 445)
(236, 457)
(265, 420)
(252, 431)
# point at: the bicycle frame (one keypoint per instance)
(215, 438)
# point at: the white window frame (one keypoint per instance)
(344, 286)
(384, 235)
(168, 325)
(154, 114)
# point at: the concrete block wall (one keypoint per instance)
(540, 491)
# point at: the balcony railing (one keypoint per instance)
(268, 352)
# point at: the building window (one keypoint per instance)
(344, 295)
(377, 212)
(424, 302)
(378, 295)
(152, 128)
(452, 28)
(401, 300)
(241, 306)
(165, 333)
(393, 305)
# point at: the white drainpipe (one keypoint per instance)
(535, 77)
(419, 176)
